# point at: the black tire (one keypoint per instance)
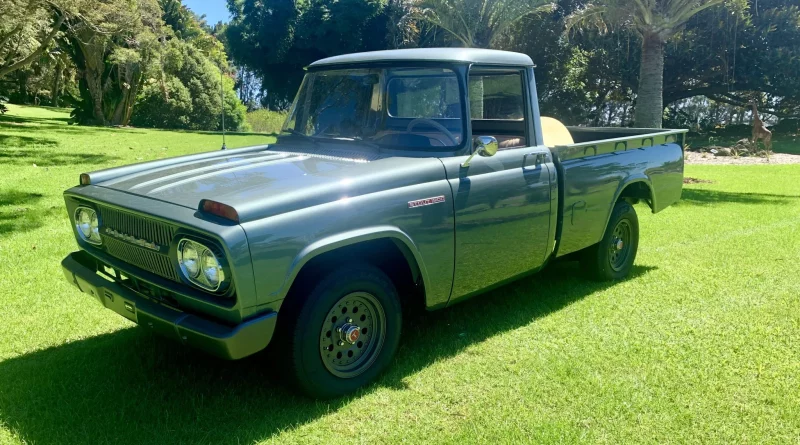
(612, 258)
(372, 308)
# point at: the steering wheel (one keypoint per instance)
(433, 124)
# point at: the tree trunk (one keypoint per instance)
(57, 84)
(650, 98)
(95, 85)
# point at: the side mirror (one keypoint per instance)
(486, 146)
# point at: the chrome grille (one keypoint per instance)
(142, 228)
(137, 226)
(141, 258)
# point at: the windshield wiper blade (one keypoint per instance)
(294, 132)
(356, 139)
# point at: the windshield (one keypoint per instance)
(404, 108)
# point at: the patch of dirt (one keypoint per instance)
(696, 181)
(694, 157)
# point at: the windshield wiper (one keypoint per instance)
(356, 139)
(294, 132)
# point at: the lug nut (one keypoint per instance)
(341, 343)
(349, 320)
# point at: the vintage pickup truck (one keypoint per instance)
(420, 176)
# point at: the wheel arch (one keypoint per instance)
(633, 189)
(384, 245)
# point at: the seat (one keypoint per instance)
(555, 133)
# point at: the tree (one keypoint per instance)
(655, 22)
(277, 39)
(183, 87)
(727, 57)
(477, 23)
(27, 29)
(112, 45)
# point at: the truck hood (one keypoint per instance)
(270, 182)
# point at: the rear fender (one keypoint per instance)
(632, 179)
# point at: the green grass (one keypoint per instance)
(700, 345)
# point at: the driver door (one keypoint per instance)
(503, 202)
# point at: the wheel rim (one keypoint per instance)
(352, 334)
(620, 248)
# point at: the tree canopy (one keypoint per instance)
(598, 62)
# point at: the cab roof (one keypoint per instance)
(458, 55)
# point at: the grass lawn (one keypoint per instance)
(699, 345)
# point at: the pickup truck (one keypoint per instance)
(400, 178)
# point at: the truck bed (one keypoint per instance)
(606, 163)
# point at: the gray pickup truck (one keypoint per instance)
(421, 176)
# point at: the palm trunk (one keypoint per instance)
(650, 98)
(476, 97)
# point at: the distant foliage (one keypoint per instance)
(147, 62)
(266, 121)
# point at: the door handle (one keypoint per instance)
(538, 158)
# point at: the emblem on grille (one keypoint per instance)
(133, 240)
(426, 201)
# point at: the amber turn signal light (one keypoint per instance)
(219, 209)
(85, 179)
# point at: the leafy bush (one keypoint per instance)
(155, 110)
(266, 121)
(190, 95)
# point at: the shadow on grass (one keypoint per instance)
(19, 212)
(11, 118)
(131, 387)
(50, 158)
(692, 196)
(57, 124)
(14, 141)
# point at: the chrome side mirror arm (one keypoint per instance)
(486, 146)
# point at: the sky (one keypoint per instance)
(215, 10)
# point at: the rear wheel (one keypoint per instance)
(343, 333)
(612, 258)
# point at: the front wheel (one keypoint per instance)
(612, 258)
(344, 333)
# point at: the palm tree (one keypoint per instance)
(477, 23)
(655, 21)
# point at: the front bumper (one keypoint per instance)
(217, 339)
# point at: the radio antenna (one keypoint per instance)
(222, 102)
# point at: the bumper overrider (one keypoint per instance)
(217, 339)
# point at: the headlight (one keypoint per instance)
(211, 269)
(200, 265)
(87, 224)
(189, 260)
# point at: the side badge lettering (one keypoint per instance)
(426, 201)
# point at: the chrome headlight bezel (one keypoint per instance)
(92, 227)
(200, 278)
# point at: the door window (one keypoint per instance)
(497, 106)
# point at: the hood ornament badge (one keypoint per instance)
(133, 240)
